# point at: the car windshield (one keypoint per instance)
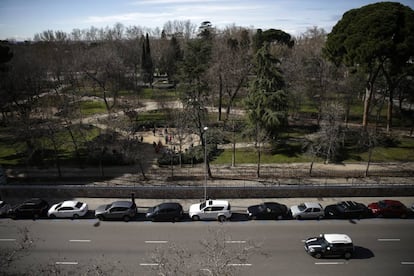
(108, 206)
(79, 204)
(302, 207)
(202, 205)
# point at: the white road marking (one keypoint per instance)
(407, 263)
(389, 240)
(66, 263)
(79, 240)
(149, 264)
(7, 240)
(156, 242)
(235, 241)
(239, 264)
(330, 263)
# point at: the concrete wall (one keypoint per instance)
(198, 192)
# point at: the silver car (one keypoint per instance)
(117, 210)
(307, 210)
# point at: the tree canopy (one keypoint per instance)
(368, 37)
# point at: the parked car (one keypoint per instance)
(4, 208)
(307, 210)
(124, 210)
(347, 210)
(68, 209)
(211, 210)
(338, 245)
(32, 208)
(170, 211)
(389, 208)
(268, 210)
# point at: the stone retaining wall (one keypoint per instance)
(198, 192)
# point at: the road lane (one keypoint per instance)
(383, 246)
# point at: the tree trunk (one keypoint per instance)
(259, 155)
(389, 110)
(367, 101)
(220, 100)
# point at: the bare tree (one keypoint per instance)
(216, 256)
(327, 141)
(9, 256)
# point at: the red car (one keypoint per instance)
(389, 208)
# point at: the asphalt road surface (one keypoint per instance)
(87, 246)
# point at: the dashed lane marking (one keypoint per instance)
(237, 242)
(66, 263)
(389, 240)
(329, 263)
(79, 240)
(156, 242)
(7, 240)
(407, 263)
(149, 264)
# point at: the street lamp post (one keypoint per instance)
(205, 163)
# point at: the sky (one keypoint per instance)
(21, 19)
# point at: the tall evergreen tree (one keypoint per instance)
(267, 102)
(147, 65)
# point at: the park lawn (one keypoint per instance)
(89, 108)
(249, 156)
(403, 152)
(12, 148)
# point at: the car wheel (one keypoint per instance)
(101, 217)
(36, 216)
(318, 255)
(195, 218)
(52, 216)
(75, 216)
(253, 217)
(222, 218)
(347, 255)
(403, 216)
(127, 218)
(298, 217)
(176, 219)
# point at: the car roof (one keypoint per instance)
(312, 205)
(337, 238)
(34, 201)
(122, 204)
(169, 205)
(69, 203)
(391, 202)
(217, 202)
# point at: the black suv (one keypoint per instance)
(336, 245)
(347, 210)
(166, 212)
(32, 208)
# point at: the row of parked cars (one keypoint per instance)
(207, 210)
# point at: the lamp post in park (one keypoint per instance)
(205, 162)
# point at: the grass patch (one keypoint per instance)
(249, 156)
(92, 107)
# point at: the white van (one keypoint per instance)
(210, 210)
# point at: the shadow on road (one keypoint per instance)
(362, 253)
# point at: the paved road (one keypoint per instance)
(384, 246)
